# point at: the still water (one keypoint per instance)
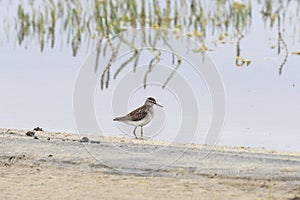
(262, 107)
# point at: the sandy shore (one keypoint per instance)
(65, 166)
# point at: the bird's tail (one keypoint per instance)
(119, 119)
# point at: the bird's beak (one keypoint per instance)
(158, 105)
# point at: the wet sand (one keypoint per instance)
(66, 166)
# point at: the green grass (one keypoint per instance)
(91, 22)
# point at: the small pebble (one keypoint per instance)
(95, 142)
(38, 129)
(12, 157)
(84, 139)
(50, 155)
(36, 138)
(30, 133)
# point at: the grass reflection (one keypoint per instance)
(90, 22)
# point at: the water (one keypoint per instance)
(262, 108)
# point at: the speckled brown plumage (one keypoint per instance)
(140, 116)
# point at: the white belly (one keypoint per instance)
(143, 122)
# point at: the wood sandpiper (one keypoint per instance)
(140, 116)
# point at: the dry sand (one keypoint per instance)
(60, 166)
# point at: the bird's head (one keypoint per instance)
(150, 101)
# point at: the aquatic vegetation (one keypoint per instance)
(93, 20)
(280, 12)
(239, 61)
(79, 22)
(296, 53)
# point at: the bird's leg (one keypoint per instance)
(134, 132)
(141, 132)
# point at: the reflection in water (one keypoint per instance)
(91, 22)
(281, 41)
(258, 112)
(149, 43)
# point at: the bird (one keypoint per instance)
(140, 116)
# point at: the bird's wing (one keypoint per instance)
(137, 114)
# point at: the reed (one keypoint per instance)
(79, 22)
